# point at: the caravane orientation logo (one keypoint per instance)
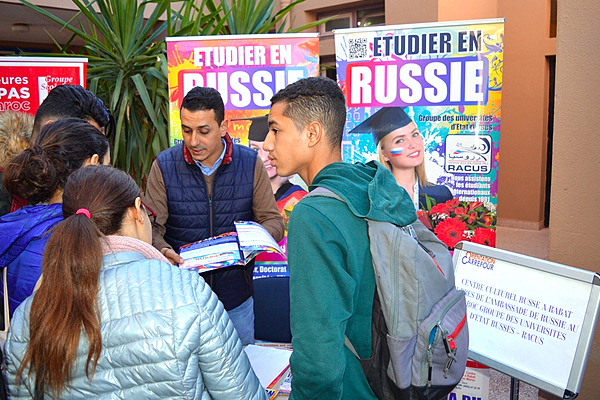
(479, 260)
(468, 153)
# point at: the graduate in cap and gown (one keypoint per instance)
(400, 148)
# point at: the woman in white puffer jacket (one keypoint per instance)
(113, 319)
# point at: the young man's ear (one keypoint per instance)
(224, 126)
(93, 160)
(315, 133)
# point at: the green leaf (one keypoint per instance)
(79, 33)
(120, 119)
(141, 87)
(93, 85)
(117, 90)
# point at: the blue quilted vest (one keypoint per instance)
(194, 216)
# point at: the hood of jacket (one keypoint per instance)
(370, 190)
(15, 132)
(19, 228)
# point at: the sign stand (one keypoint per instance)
(514, 389)
(523, 311)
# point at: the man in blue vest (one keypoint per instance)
(200, 187)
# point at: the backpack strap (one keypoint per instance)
(323, 192)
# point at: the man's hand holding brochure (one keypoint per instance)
(232, 248)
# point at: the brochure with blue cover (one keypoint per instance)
(231, 248)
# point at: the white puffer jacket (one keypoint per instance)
(165, 335)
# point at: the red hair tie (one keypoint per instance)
(84, 211)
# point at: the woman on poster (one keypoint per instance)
(400, 148)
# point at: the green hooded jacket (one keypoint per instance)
(332, 282)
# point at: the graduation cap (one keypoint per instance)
(259, 128)
(384, 121)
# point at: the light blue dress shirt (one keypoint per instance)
(209, 171)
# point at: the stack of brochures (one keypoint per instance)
(232, 248)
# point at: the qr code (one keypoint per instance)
(357, 48)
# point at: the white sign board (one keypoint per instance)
(530, 318)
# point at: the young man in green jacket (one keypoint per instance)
(332, 281)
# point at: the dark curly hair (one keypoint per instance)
(60, 148)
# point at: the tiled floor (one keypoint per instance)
(534, 244)
(500, 388)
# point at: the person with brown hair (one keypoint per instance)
(113, 319)
(38, 175)
(15, 133)
(64, 101)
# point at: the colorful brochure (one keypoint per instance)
(286, 385)
(232, 248)
(269, 364)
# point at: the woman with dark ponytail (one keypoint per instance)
(38, 175)
(113, 318)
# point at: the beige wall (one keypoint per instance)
(575, 215)
(42, 30)
(523, 138)
(408, 11)
(65, 4)
(467, 9)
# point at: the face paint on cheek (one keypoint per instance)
(396, 151)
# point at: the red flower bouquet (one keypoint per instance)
(485, 236)
(457, 220)
(450, 231)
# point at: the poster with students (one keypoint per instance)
(247, 70)
(429, 97)
(26, 81)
